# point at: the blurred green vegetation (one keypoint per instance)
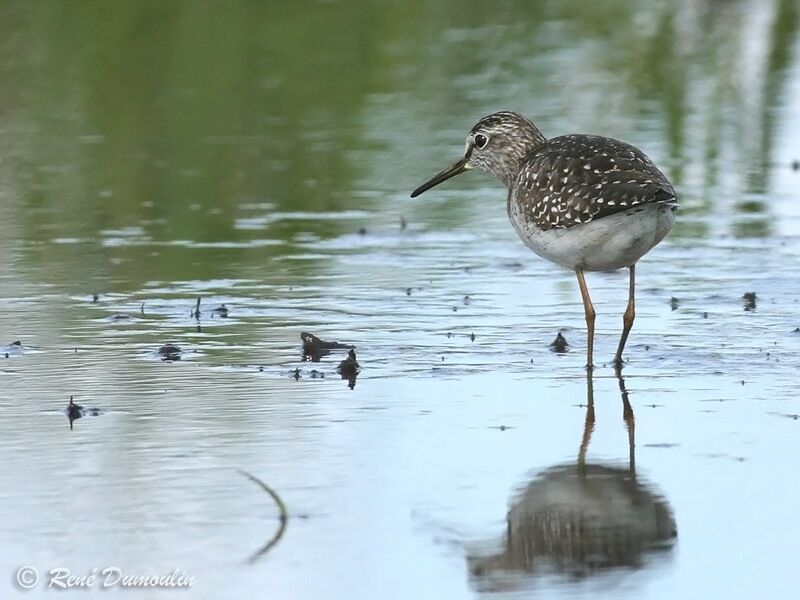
(173, 115)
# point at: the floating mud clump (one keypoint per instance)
(749, 300)
(349, 368)
(170, 352)
(349, 365)
(314, 348)
(14, 349)
(76, 411)
(559, 345)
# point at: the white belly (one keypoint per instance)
(608, 243)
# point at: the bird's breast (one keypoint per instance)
(603, 244)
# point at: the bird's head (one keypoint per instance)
(496, 144)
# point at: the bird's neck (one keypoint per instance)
(516, 155)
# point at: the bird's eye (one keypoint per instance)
(481, 141)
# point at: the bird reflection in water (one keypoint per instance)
(580, 518)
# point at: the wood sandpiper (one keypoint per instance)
(584, 202)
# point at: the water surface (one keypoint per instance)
(261, 158)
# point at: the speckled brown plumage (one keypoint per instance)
(574, 179)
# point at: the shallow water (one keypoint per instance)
(143, 163)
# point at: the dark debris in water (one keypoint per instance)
(501, 427)
(312, 341)
(514, 266)
(221, 311)
(559, 345)
(749, 300)
(349, 368)
(76, 411)
(16, 348)
(297, 374)
(170, 352)
(195, 312)
(792, 416)
(722, 455)
(349, 365)
(315, 348)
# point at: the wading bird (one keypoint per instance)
(584, 202)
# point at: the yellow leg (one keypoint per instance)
(627, 318)
(590, 317)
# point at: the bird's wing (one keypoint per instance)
(574, 179)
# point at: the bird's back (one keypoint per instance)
(575, 179)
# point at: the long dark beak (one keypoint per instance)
(449, 172)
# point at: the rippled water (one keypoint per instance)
(146, 165)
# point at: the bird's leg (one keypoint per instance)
(590, 316)
(627, 318)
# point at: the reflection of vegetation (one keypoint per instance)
(172, 115)
(191, 107)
